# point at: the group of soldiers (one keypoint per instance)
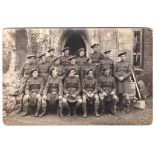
(70, 82)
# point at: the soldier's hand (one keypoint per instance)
(104, 94)
(121, 78)
(112, 93)
(38, 96)
(60, 97)
(27, 96)
(74, 95)
(44, 97)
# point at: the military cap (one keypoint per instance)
(107, 51)
(72, 57)
(41, 54)
(81, 49)
(51, 49)
(88, 58)
(31, 55)
(95, 44)
(89, 70)
(122, 53)
(59, 57)
(106, 67)
(66, 48)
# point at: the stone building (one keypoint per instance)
(18, 42)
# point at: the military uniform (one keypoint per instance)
(90, 86)
(34, 87)
(25, 73)
(64, 58)
(72, 89)
(97, 57)
(123, 69)
(81, 61)
(107, 91)
(43, 69)
(50, 59)
(53, 92)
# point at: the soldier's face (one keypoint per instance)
(82, 53)
(107, 71)
(72, 73)
(90, 74)
(95, 48)
(123, 57)
(66, 52)
(73, 61)
(31, 59)
(35, 74)
(54, 73)
(43, 58)
(57, 62)
(51, 53)
(107, 54)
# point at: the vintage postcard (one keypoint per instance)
(77, 76)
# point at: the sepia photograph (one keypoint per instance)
(77, 76)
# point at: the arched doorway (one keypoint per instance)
(75, 38)
(75, 42)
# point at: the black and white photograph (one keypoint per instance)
(77, 76)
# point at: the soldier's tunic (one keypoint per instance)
(25, 73)
(106, 62)
(97, 56)
(90, 85)
(123, 69)
(65, 60)
(34, 86)
(72, 86)
(50, 60)
(86, 68)
(53, 90)
(81, 61)
(43, 70)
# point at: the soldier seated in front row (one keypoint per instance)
(53, 92)
(72, 89)
(33, 93)
(90, 92)
(107, 90)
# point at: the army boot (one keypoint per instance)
(85, 113)
(43, 112)
(74, 112)
(96, 112)
(113, 110)
(25, 111)
(128, 109)
(61, 112)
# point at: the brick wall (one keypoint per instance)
(147, 57)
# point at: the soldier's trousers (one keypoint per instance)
(104, 97)
(52, 98)
(124, 99)
(89, 100)
(32, 100)
(77, 103)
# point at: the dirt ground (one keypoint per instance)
(136, 117)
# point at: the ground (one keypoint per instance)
(136, 117)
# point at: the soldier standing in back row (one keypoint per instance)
(43, 67)
(122, 72)
(51, 56)
(106, 62)
(65, 57)
(81, 60)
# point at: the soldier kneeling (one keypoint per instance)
(90, 90)
(107, 88)
(53, 92)
(33, 93)
(72, 89)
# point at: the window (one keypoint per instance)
(137, 49)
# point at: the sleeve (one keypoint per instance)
(46, 88)
(128, 72)
(99, 86)
(115, 71)
(27, 88)
(41, 87)
(65, 87)
(21, 73)
(79, 87)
